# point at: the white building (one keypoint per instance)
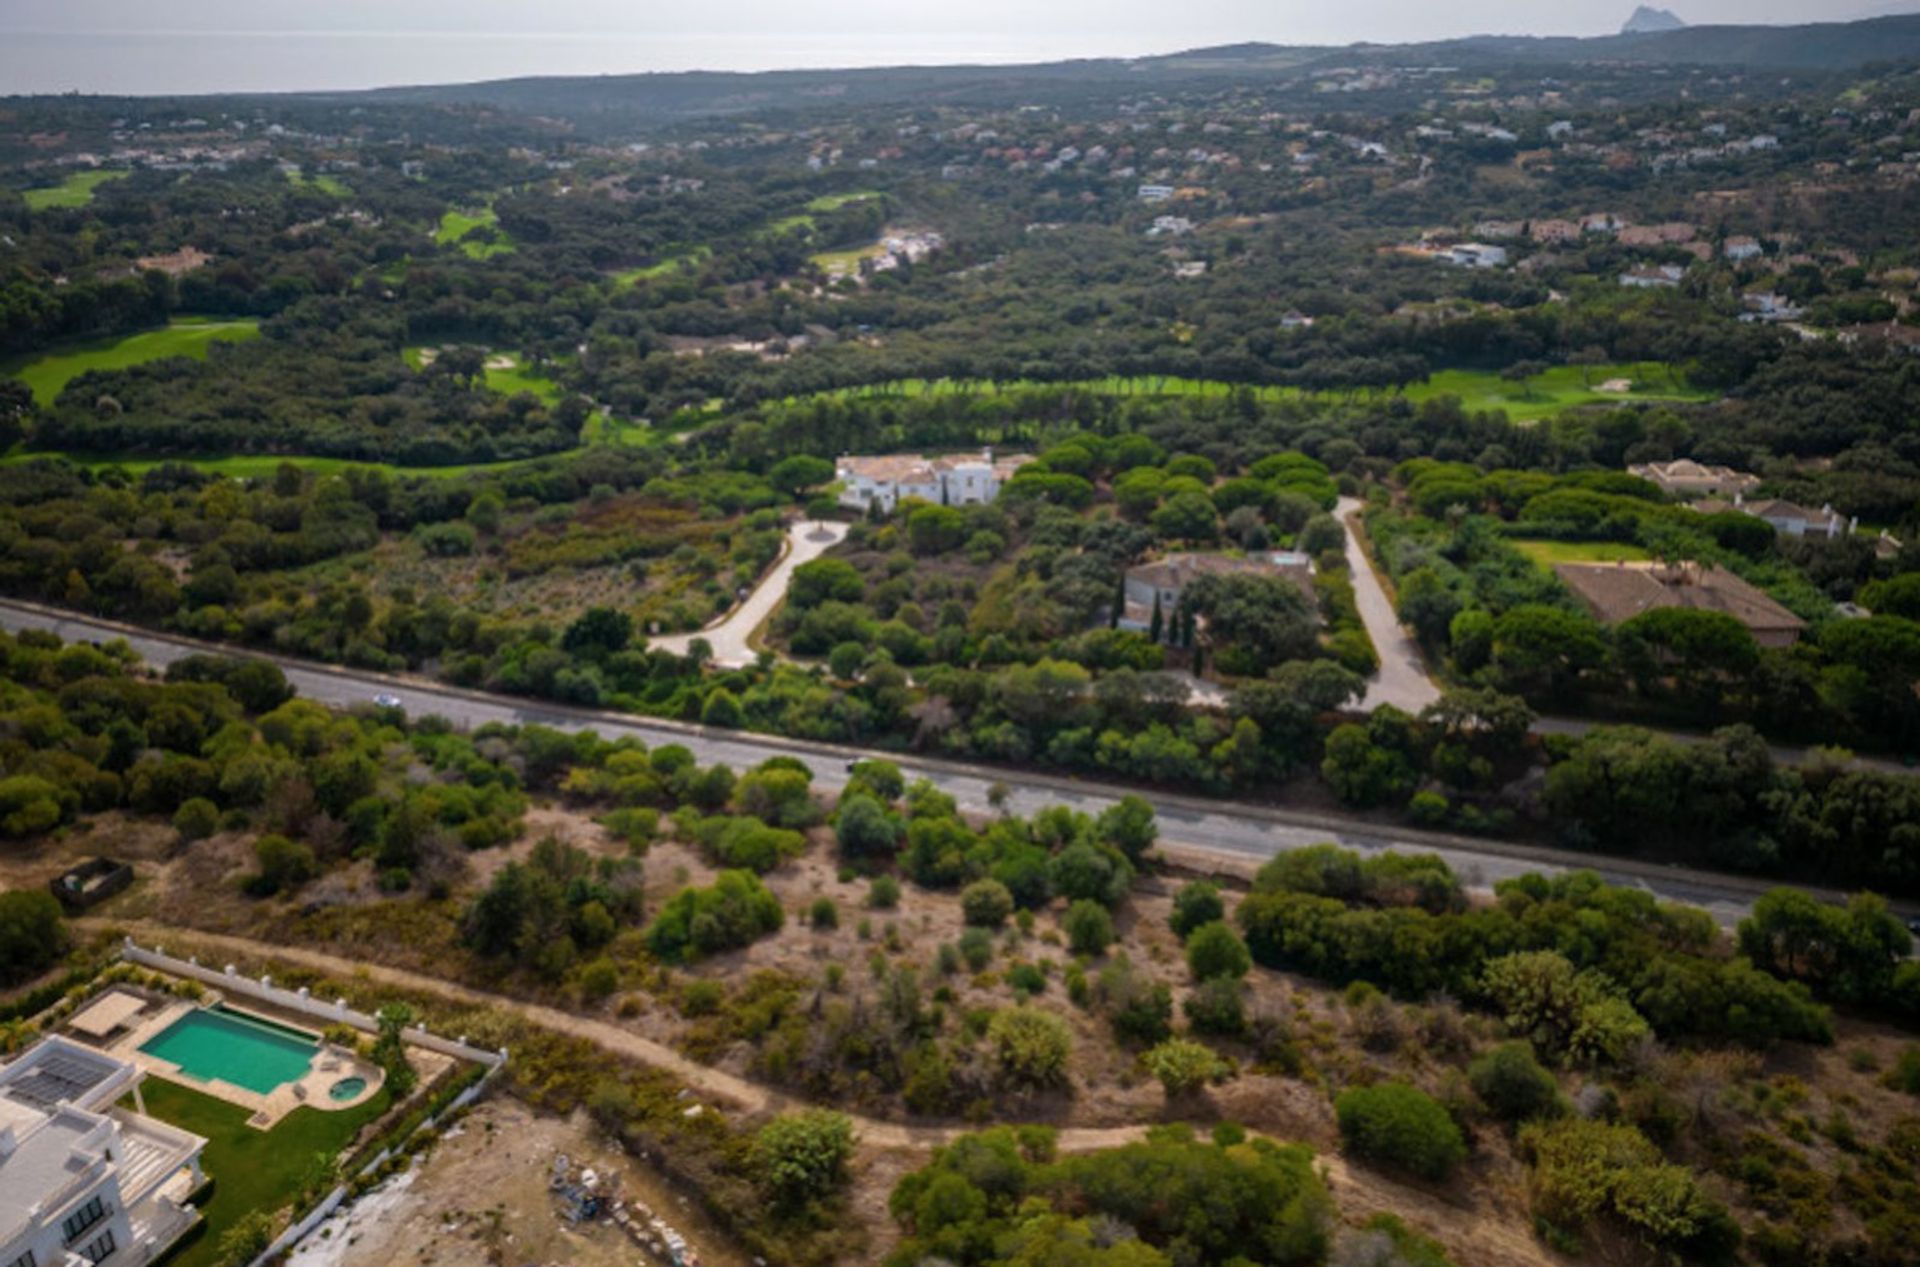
(1653, 277)
(1796, 520)
(82, 1179)
(1155, 193)
(1741, 248)
(1170, 226)
(946, 481)
(1475, 255)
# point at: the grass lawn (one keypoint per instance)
(75, 191)
(1548, 553)
(846, 262)
(47, 372)
(456, 225)
(627, 277)
(251, 1169)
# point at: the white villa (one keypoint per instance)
(950, 481)
(84, 1180)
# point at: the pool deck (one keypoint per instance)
(329, 1065)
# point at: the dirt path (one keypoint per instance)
(1497, 1240)
(806, 540)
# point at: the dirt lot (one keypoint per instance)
(481, 1196)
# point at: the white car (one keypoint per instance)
(387, 699)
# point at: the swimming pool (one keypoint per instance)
(210, 1043)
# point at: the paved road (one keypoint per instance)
(1402, 680)
(1228, 827)
(806, 541)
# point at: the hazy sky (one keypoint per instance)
(163, 46)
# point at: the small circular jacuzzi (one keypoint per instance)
(347, 1088)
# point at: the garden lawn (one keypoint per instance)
(48, 372)
(627, 277)
(508, 380)
(833, 202)
(1548, 553)
(75, 191)
(251, 1169)
(847, 262)
(331, 185)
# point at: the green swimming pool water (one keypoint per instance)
(212, 1043)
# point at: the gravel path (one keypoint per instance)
(806, 540)
(1402, 680)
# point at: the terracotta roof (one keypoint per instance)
(1617, 592)
(1778, 508)
(1177, 571)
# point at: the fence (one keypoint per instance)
(300, 1001)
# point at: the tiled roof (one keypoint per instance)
(1617, 592)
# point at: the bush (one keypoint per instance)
(976, 947)
(1215, 950)
(802, 1157)
(986, 903)
(197, 818)
(733, 911)
(1513, 1085)
(1396, 1125)
(1183, 1066)
(1195, 904)
(1218, 1006)
(1030, 1048)
(32, 934)
(864, 829)
(599, 978)
(1140, 1010)
(1089, 928)
(824, 915)
(284, 864)
(884, 893)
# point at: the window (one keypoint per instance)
(99, 1247)
(25, 1260)
(83, 1218)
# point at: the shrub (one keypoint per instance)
(1195, 904)
(884, 893)
(599, 978)
(1218, 1006)
(1905, 1074)
(1140, 1010)
(197, 818)
(1394, 1124)
(976, 947)
(1183, 1066)
(1511, 1083)
(1089, 928)
(864, 829)
(733, 911)
(824, 915)
(1030, 1048)
(1215, 950)
(1027, 979)
(32, 935)
(986, 903)
(284, 864)
(1583, 1168)
(802, 1157)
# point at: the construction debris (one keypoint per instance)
(584, 1195)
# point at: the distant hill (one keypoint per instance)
(1646, 21)
(616, 100)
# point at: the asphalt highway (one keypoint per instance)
(1224, 826)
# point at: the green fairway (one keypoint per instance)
(833, 202)
(75, 191)
(252, 1169)
(1548, 553)
(456, 225)
(48, 372)
(1548, 394)
(330, 185)
(846, 263)
(627, 277)
(508, 379)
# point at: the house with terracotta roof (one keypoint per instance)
(1684, 477)
(954, 480)
(1161, 582)
(1796, 520)
(1617, 592)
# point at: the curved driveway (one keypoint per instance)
(729, 636)
(1402, 679)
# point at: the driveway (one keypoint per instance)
(806, 540)
(1402, 680)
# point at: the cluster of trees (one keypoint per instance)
(1001, 1196)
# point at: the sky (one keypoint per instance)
(189, 46)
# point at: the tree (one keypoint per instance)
(802, 1157)
(936, 529)
(864, 828)
(1186, 516)
(986, 903)
(1128, 826)
(1255, 621)
(1089, 928)
(284, 864)
(1396, 1125)
(796, 474)
(1545, 649)
(33, 935)
(734, 911)
(390, 1049)
(1030, 1048)
(196, 819)
(1198, 902)
(1427, 606)
(1362, 772)
(1844, 953)
(1183, 1066)
(824, 581)
(1215, 950)
(722, 710)
(1513, 1084)
(597, 633)
(1544, 998)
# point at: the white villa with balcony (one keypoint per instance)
(84, 1180)
(892, 478)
